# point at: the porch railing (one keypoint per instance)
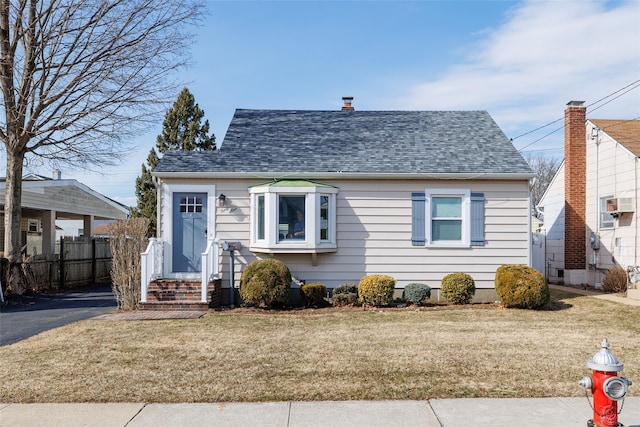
(151, 265)
(210, 267)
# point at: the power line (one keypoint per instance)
(611, 94)
(620, 123)
(538, 128)
(626, 89)
(542, 137)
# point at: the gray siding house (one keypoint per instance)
(337, 195)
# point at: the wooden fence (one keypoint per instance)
(77, 262)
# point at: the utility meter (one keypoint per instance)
(595, 241)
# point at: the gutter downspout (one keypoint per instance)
(595, 253)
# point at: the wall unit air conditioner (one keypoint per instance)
(620, 205)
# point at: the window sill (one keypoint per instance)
(447, 245)
(285, 249)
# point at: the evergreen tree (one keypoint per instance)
(182, 129)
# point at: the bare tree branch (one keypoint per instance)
(79, 77)
(545, 169)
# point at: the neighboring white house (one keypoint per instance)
(412, 194)
(602, 199)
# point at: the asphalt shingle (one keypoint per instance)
(291, 141)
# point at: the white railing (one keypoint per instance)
(210, 267)
(151, 265)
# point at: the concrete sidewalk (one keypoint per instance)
(548, 412)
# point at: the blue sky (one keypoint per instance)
(522, 61)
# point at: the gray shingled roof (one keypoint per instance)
(403, 142)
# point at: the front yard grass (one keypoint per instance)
(327, 354)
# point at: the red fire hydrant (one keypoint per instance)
(606, 386)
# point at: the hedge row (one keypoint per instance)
(266, 283)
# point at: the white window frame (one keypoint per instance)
(312, 243)
(602, 211)
(35, 224)
(465, 195)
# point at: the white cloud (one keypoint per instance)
(545, 54)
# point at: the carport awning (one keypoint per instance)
(69, 198)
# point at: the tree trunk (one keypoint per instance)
(12, 220)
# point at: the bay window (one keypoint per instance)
(293, 216)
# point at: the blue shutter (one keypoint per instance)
(418, 203)
(477, 219)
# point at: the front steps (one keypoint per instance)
(174, 294)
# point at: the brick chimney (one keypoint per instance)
(347, 103)
(575, 162)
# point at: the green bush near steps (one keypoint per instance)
(376, 290)
(458, 288)
(265, 283)
(521, 286)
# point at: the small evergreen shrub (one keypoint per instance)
(376, 289)
(345, 294)
(416, 293)
(521, 286)
(345, 288)
(458, 288)
(265, 283)
(615, 280)
(313, 294)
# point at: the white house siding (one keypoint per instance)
(612, 170)
(374, 233)
(553, 227)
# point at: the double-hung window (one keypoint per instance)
(606, 219)
(447, 218)
(293, 216)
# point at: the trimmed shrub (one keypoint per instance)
(345, 294)
(615, 280)
(313, 294)
(376, 289)
(345, 288)
(265, 283)
(458, 288)
(416, 293)
(520, 286)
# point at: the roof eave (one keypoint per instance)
(345, 175)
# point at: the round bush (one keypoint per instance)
(265, 283)
(313, 294)
(416, 293)
(376, 290)
(520, 286)
(345, 294)
(345, 288)
(615, 280)
(458, 288)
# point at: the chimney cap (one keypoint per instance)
(575, 103)
(347, 103)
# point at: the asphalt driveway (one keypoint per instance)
(28, 315)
